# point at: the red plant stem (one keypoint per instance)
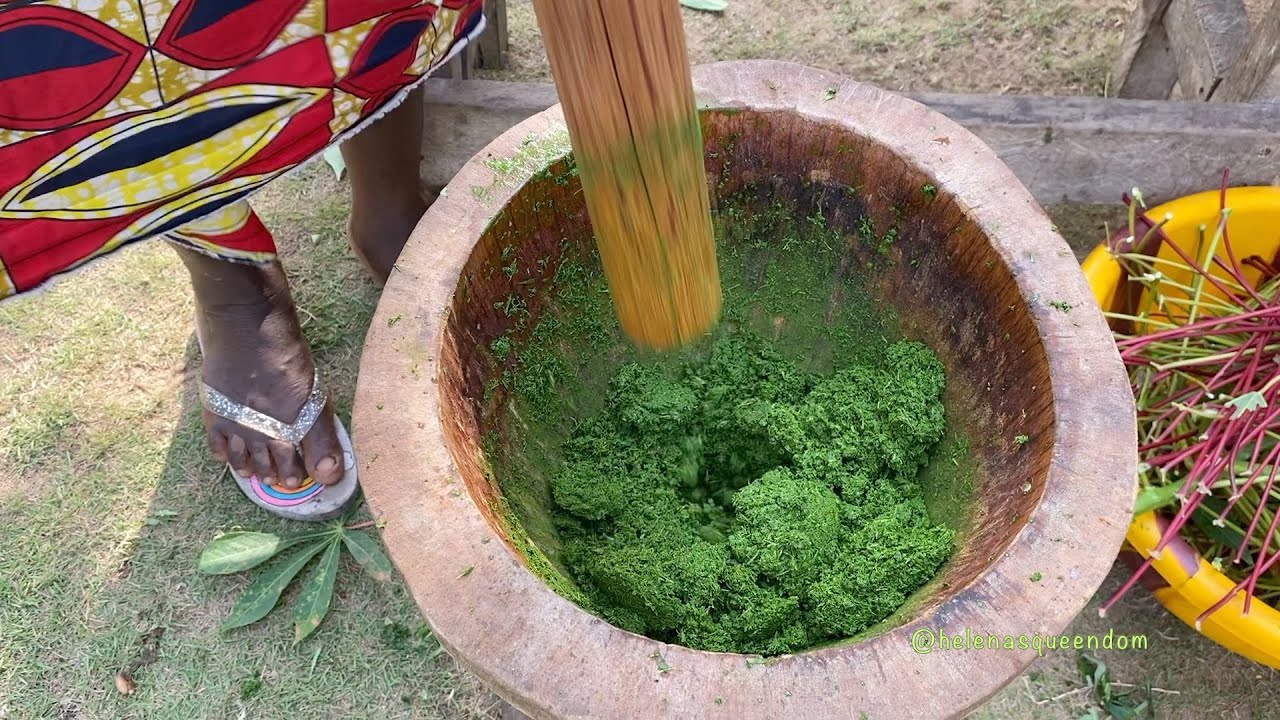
(1262, 555)
(1172, 460)
(1257, 571)
(1206, 461)
(1204, 477)
(1173, 333)
(1176, 456)
(1235, 270)
(1236, 492)
(1257, 514)
(1128, 585)
(1252, 367)
(1164, 443)
(1261, 266)
(1182, 415)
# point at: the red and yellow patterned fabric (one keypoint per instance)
(122, 120)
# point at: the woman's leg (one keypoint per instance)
(386, 201)
(254, 350)
(255, 353)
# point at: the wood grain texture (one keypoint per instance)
(1207, 37)
(1258, 62)
(622, 72)
(492, 46)
(1270, 88)
(1144, 67)
(976, 270)
(1072, 149)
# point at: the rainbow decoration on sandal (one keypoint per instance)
(280, 496)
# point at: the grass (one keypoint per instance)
(1052, 47)
(108, 495)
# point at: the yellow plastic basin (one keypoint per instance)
(1254, 229)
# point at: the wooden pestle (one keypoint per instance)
(622, 72)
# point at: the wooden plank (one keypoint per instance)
(493, 44)
(1090, 150)
(1256, 63)
(1064, 149)
(460, 67)
(1144, 66)
(1207, 37)
(1270, 87)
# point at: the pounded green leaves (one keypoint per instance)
(734, 502)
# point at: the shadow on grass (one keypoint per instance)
(372, 656)
(108, 495)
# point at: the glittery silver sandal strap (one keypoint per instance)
(292, 433)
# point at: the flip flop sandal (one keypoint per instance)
(310, 501)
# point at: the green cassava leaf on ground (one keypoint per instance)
(1130, 705)
(263, 593)
(317, 591)
(239, 550)
(366, 551)
(715, 6)
(333, 156)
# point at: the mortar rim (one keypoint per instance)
(1095, 437)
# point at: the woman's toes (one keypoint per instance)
(288, 464)
(263, 466)
(238, 456)
(217, 443)
(321, 451)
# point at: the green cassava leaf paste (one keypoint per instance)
(737, 503)
(760, 492)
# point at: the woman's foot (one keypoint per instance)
(254, 350)
(386, 204)
(255, 353)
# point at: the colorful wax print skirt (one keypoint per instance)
(122, 120)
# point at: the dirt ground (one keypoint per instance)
(1049, 47)
(107, 495)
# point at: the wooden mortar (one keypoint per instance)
(979, 273)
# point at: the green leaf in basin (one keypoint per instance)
(1154, 497)
(1246, 403)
